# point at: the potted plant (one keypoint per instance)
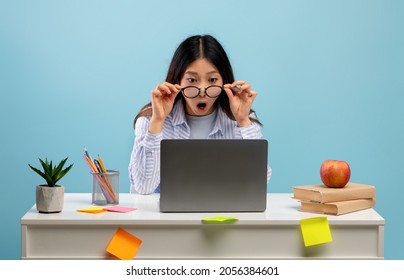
(50, 197)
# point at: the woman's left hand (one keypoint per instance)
(241, 98)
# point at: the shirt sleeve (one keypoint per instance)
(252, 131)
(144, 166)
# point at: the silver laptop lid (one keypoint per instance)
(213, 175)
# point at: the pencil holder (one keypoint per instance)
(105, 187)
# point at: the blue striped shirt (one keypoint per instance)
(144, 166)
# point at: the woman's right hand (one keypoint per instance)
(162, 99)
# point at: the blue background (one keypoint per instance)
(329, 74)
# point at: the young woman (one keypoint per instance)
(199, 99)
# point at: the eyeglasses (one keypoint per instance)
(211, 91)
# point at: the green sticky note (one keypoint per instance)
(219, 220)
(315, 231)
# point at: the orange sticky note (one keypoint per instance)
(124, 245)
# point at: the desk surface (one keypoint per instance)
(273, 234)
(281, 209)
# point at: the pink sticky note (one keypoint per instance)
(119, 209)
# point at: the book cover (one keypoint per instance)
(323, 194)
(337, 208)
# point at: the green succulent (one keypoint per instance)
(52, 173)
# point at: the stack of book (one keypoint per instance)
(335, 201)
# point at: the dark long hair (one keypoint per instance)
(191, 49)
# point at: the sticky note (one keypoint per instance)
(92, 210)
(119, 209)
(124, 245)
(219, 220)
(315, 231)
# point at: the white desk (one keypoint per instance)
(273, 234)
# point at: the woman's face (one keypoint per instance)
(202, 74)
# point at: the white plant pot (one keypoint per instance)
(49, 199)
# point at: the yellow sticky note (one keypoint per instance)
(219, 220)
(315, 231)
(124, 245)
(92, 209)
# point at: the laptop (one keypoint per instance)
(205, 175)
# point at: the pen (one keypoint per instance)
(90, 164)
(102, 164)
(105, 171)
(87, 154)
(85, 150)
(97, 164)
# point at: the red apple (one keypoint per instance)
(335, 173)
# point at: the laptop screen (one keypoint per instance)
(204, 175)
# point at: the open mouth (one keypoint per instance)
(201, 105)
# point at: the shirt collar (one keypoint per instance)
(178, 117)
